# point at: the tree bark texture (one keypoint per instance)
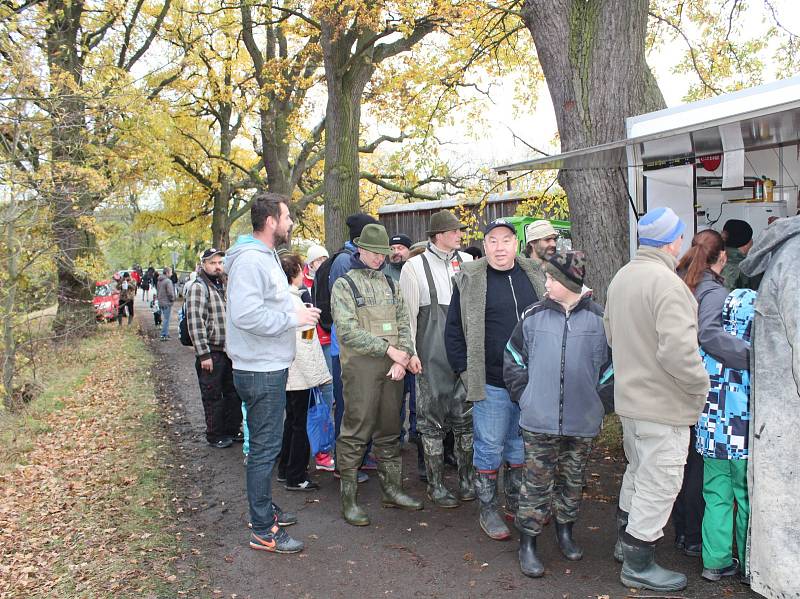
(70, 197)
(592, 53)
(346, 76)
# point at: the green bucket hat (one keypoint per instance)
(442, 221)
(374, 238)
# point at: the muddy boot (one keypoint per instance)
(567, 544)
(391, 480)
(434, 465)
(640, 570)
(490, 520)
(421, 471)
(466, 471)
(512, 481)
(449, 450)
(351, 511)
(622, 522)
(529, 562)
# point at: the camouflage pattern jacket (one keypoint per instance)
(375, 289)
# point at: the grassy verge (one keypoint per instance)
(85, 506)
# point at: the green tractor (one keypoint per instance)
(562, 227)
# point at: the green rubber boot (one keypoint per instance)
(640, 570)
(391, 480)
(351, 511)
(512, 482)
(490, 519)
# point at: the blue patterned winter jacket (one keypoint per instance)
(723, 427)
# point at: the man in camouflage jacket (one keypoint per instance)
(375, 350)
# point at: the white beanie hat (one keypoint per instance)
(314, 252)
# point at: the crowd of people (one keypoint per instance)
(503, 353)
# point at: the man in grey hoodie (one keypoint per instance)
(260, 328)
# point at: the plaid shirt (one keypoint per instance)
(205, 316)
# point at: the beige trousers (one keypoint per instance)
(656, 455)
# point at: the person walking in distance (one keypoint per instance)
(489, 296)
(260, 340)
(205, 320)
(127, 296)
(426, 285)
(660, 388)
(375, 349)
(166, 297)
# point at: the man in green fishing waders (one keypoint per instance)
(375, 350)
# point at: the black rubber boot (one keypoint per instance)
(466, 471)
(391, 480)
(512, 481)
(490, 520)
(567, 544)
(529, 562)
(449, 451)
(434, 465)
(421, 470)
(640, 570)
(351, 511)
(622, 522)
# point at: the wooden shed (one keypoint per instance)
(412, 219)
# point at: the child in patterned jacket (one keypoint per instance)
(722, 440)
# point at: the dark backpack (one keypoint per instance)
(183, 326)
(321, 290)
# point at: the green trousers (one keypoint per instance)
(724, 483)
(371, 411)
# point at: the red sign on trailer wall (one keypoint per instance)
(711, 162)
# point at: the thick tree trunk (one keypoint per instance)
(70, 195)
(346, 76)
(592, 53)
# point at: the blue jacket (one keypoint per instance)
(341, 265)
(723, 427)
(552, 366)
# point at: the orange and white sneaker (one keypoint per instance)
(277, 540)
(324, 461)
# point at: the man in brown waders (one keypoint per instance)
(426, 285)
(375, 349)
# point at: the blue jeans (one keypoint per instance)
(326, 351)
(497, 436)
(264, 394)
(166, 311)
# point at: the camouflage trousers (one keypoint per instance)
(554, 476)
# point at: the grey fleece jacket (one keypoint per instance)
(261, 320)
(728, 349)
(552, 364)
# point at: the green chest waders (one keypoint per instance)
(441, 402)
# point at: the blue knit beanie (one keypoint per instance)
(659, 227)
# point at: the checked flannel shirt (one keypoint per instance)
(205, 316)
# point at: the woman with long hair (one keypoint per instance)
(701, 269)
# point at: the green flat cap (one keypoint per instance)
(444, 220)
(374, 238)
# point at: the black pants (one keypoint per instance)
(123, 307)
(687, 513)
(295, 449)
(221, 403)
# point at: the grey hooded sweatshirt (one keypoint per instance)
(773, 478)
(260, 322)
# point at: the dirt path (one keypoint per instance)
(433, 553)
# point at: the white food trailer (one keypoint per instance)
(733, 156)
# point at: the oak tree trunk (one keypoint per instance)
(346, 76)
(70, 196)
(592, 53)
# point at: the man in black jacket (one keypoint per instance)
(489, 296)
